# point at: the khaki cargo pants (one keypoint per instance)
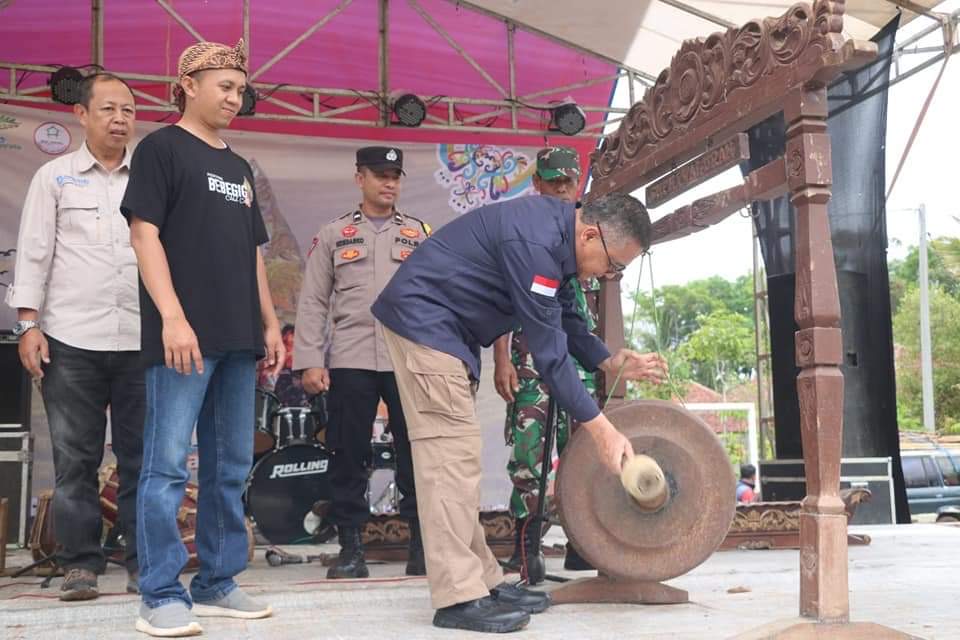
(438, 404)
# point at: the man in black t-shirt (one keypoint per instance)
(206, 317)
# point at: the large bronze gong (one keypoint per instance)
(665, 513)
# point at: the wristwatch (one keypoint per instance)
(23, 326)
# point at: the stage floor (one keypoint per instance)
(906, 579)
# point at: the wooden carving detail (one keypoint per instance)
(776, 525)
(766, 517)
(709, 71)
(698, 171)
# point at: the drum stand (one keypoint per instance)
(538, 520)
(54, 567)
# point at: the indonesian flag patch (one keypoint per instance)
(545, 286)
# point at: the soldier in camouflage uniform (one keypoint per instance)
(519, 383)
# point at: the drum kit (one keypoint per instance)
(289, 489)
(287, 494)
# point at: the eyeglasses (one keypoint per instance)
(615, 267)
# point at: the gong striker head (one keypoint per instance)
(643, 479)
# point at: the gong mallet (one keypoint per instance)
(643, 479)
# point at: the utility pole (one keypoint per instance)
(926, 359)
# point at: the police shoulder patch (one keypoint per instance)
(427, 229)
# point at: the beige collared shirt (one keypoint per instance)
(349, 264)
(74, 261)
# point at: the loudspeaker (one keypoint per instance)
(15, 388)
(862, 415)
(784, 480)
(15, 475)
(786, 407)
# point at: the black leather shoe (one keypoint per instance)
(485, 615)
(575, 562)
(350, 562)
(523, 599)
(416, 564)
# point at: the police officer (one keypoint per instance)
(520, 384)
(476, 279)
(349, 264)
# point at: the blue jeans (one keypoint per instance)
(221, 404)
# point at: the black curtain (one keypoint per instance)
(857, 125)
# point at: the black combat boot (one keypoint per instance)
(350, 562)
(575, 562)
(416, 565)
(524, 552)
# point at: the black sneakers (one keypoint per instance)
(486, 615)
(523, 599)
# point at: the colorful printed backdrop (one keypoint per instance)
(302, 183)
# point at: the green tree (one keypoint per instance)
(720, 350)
(943, 266)
(945, 347)
(679, 309)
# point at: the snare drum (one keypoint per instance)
(382, 455)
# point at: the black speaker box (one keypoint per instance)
(15, 388)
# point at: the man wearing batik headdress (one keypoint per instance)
(206, 318)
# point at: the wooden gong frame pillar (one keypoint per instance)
(689, 127)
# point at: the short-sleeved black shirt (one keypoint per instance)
(202, 200)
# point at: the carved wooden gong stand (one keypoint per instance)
(715, 89)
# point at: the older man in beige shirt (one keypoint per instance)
(75, 291)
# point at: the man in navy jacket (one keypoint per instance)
(472, 281)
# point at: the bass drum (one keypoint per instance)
(283, 489)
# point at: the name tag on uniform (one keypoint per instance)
(545, 286)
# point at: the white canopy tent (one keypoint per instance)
(643, 35)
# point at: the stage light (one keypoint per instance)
(65, 85)
(410, 110)
(568, 118)
(249, 105)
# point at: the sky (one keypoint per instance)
(930, 177)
